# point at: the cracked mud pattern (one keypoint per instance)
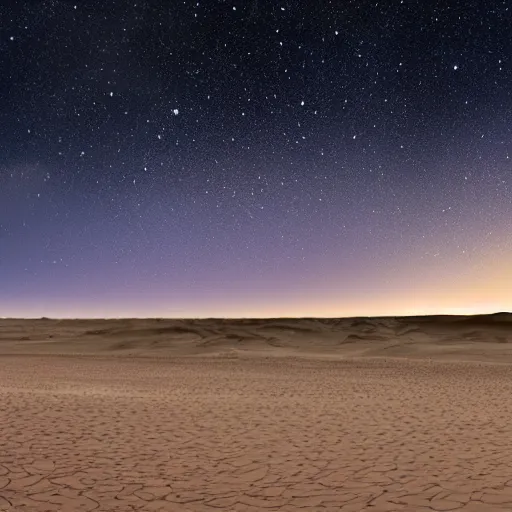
(81, 434)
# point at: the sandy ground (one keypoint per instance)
(248, 416)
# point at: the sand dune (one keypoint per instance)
(484, 338)
(361, 414)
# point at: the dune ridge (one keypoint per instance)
(478, 337)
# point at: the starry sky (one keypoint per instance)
(244, 158)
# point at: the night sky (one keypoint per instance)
(255, 158)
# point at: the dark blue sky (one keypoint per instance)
(255, 158)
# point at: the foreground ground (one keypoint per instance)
(235, 432)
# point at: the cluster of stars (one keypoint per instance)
(240, 137)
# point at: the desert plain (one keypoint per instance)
(360, 414)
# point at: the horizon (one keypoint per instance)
(162, 318)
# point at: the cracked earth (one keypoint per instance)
(107, 434)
